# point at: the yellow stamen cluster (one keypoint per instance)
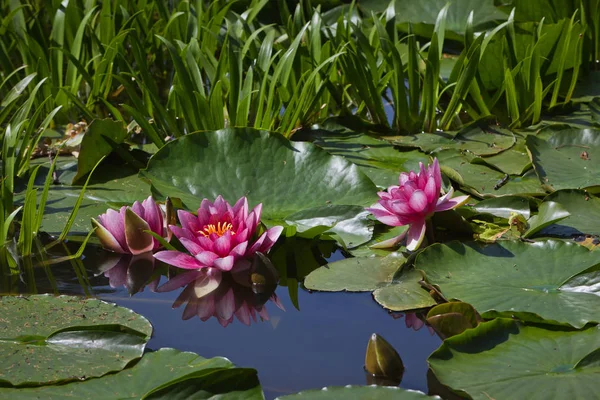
(219, 229)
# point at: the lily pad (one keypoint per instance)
(475, 139)
(568, 159)
(359, 392)
(350, 223)
(502, 359)
(354, 274)
(164, 374)
(549, 213)
(286, 177)
(585, 213)
(405, 293)
(486, 182)
(377, 158)
(503, 207)
(46, 339)
(518, 279)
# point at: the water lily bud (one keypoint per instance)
(382, 360)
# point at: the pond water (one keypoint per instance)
(320, 344)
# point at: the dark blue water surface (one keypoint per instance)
(321, 344)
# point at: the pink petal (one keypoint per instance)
(403, 178)
(205, 242)
(223, 244)
(106, 238)
(384, 216)
(400, 207)
(181, 233)
(243, 314)
(206, 258)
(138, 209)
(203, 219)
(452, 203)
(418, 201)
(445, 197)
(225, 263)
(430, 191)
(272, 236)
(220, 205)
(114, 222)
(416, 233)
(191, 246)
(437, 175)
(191, 309)
(138, 241)
(188, 221)
(179, 259)
(240, 209)
(239, 250)
(422, 178)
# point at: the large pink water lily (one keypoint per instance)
(221, 236)
(415, 200)
(123, 231)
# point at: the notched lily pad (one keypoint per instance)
(405, 293)
(46, 339)
(503, 359)
(525, 280)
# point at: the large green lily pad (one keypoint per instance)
(502, 359)
(518, 279)
(568, 158)
(46, 339)
(361, 274)
(359, 393)
(164, 374)
(584, 210)
(286, 177)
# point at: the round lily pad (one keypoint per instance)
(526, 280)
(46, 339)
(502, 359)
(286, 177)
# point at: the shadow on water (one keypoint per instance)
(297, 340)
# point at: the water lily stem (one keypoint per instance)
(430, 232)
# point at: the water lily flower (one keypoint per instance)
(123, 231)
(220, 236)
(413, 202)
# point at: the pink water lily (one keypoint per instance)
(415, 200)
(220, 236)
(123, 231)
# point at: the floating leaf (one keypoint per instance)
(518, 279)
(405, 293)
(502, 359)
(359, 274)
(46, 339)
(452, 318)
(163, 374)
(568, 159)
(584, 210)
(377, 158)
(286, 177)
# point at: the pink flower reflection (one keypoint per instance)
(209, 292)
(129, 271)
(413, 320)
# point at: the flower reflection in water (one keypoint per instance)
(132, 272)
(241, 294)
(413, 320)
